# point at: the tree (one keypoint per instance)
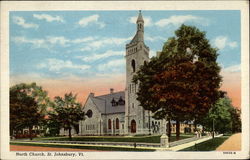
(35, 91)
(24, 110)
(183, 82)
(52, 124)
(225, 117)
(236, 120)
(67, 112)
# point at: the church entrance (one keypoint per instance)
(133, 126)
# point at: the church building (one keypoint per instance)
(119, 113)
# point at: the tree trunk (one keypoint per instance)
(169, 129)
(177, 129)
(30, 132)
(70, 138)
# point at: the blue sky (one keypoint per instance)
(92, 43)
(83, 51)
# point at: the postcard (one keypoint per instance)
(125, 80)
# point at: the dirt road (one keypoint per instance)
(233, 143)
(36, 148)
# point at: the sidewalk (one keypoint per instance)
(233, 143)
(186, 145)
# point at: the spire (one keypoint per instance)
(140, 19)
(139, 36)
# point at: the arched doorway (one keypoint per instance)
(133, 126)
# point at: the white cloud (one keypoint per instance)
(178, 20)
(112, 65)
(231, 69)
(106, 41)
(57, 65)
(91, 19)
(57, 40)
(222, 41)
(95, 43)
(90, 43)
(51, 41)
(87, 48)
(37, 43)
(147, 20)
(21, 22)
(106, 54)
(154, 38)
(233, 44)
(48, 18)
(82, 40)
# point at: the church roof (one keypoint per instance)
(103, 103)
(135, 39)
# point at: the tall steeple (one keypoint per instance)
(140, 18)
(140, 27)
(137, 53)
(139, 36)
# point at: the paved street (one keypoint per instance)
(233, 143)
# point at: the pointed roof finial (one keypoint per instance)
(140, 17)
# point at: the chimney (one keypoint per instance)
(91, 94)
(158, 54)
(111, 90)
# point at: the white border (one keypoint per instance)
(7, 6)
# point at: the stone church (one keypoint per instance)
(119, 113)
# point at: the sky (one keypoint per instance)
(83, 51)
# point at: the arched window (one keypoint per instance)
(109, 124)
(117, 123)
(133, 65)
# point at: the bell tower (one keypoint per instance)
(137, 53)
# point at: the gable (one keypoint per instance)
(90, 105)
(104, 105)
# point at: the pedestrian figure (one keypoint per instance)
(135, 145)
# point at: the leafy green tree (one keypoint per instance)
(24, 110)
(223, 117)
(183, 82)
(236, 120)
(67, 112)
(52, 124)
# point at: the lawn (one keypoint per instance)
(146, 139)
(102, 148)
(209, 145)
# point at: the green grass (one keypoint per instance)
(146, 139)
(209, 145)
(102, 148)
